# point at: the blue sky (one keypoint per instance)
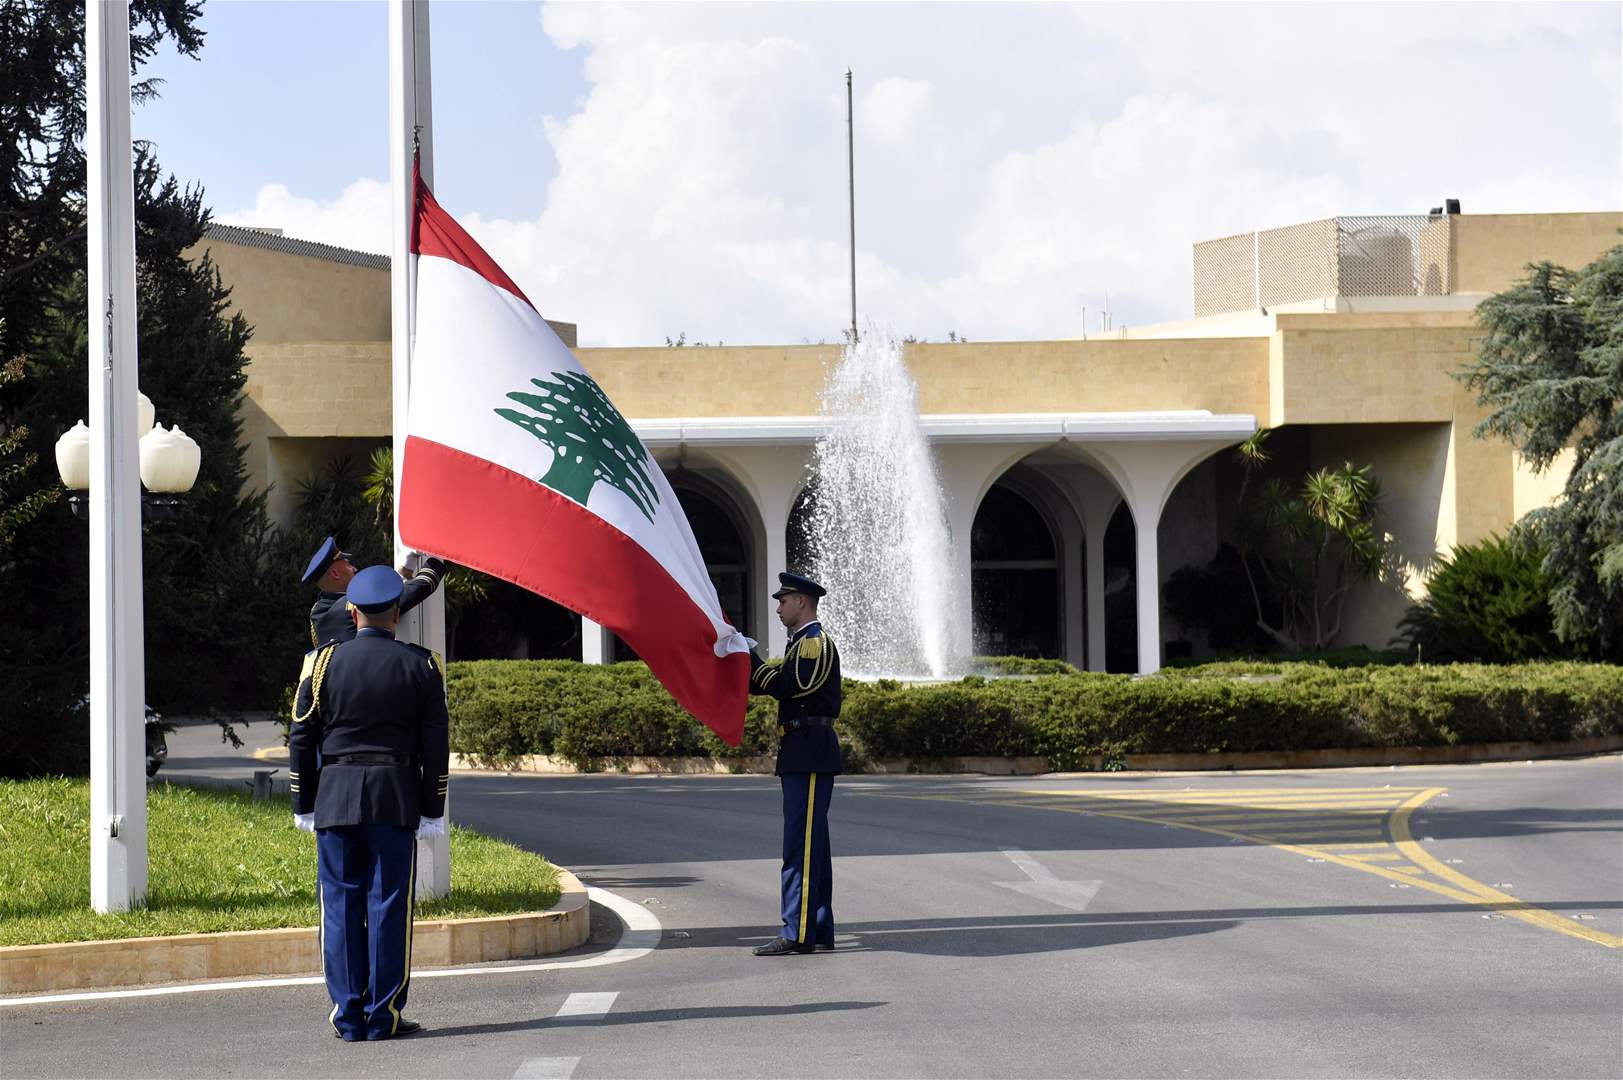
(301, 90)
(647, 169)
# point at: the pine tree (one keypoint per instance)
(209, 617)
(1551, 371)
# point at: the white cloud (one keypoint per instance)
(358, 218)
(894, 109)
(1012, 162)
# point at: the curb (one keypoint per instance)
(242, 954)
(1348, 757)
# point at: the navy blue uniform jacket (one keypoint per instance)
(329, 615)
(372, 695)
(807, 684)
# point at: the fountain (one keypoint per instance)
(877, 524)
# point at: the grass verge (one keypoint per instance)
(216, 861)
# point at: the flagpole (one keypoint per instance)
(851, 178)
(411, 141)
(118, 788)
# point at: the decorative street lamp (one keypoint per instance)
(169, 462)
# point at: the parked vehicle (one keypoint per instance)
(157, 744)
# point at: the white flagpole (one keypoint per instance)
(411, 123)
(118, 787)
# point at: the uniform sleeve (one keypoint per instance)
(764, 675)
(422, 585)
(803, 672)
(304, 737)
(435, 741)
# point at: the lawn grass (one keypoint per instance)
(216, 861)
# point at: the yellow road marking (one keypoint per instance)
(1160, 796)
(1486, 894)
(1461, 888)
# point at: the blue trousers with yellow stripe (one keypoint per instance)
(808, 861)
(368, 877)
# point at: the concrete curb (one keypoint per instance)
(249, 954)
(1035, 766)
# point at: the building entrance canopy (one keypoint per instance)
(1136, 458)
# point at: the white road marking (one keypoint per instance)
(1042, 884)
(642, 932)
(547, 1069)
(589, 1006)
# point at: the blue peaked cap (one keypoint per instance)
(375, 589)
(797, 583)
(323, 558)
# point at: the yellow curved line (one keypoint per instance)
(1471, 892)
(1485, 894)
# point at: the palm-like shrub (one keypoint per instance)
(1487, 602)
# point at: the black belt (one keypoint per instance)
(368, 759)
(787, 726)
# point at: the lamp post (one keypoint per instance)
(169, 461)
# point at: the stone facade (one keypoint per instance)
(1365, 379)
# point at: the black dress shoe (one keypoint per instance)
(402, 1027)
(783, 947)
(825, 947)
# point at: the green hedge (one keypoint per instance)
(591, 715)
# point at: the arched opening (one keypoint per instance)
(1121, 593)
(1014, 578)
(799, 550)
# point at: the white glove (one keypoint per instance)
(430, 826)
(307, 822)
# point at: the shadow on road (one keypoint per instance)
(650, 1016)
(1002, 935)
(978, 935)
(671, 881)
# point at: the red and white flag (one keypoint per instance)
(517, 464)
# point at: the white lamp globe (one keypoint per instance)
(169, 460)
(73, 457)
(144, 414)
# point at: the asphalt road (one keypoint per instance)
(1427, 922)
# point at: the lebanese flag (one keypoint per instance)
(517, 464)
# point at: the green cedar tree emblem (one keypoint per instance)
(590, 440)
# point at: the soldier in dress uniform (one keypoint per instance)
(331, 569)
(806, 683)
(369, 762)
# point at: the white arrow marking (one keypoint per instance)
(1041, 883)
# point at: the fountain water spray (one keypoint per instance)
(877, 523)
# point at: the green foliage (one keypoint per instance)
(201, 569)
(1487, 602)
(1022, 665)
(218, 861)
(1551, 372)
(1310, 546)
(21, 501)
(592, 715)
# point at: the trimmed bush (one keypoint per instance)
(1488, 602)
(593, 715)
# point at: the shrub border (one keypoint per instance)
(1341, 758)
